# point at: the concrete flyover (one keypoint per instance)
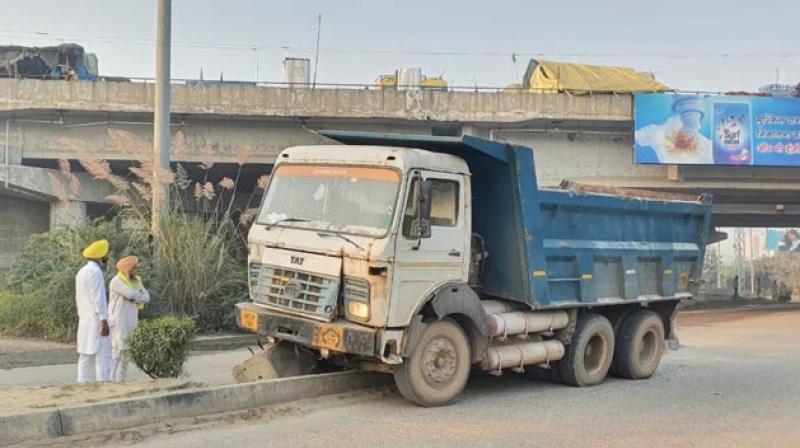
(587, 138)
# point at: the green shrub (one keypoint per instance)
(204, 272)
(160, 346)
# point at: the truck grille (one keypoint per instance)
(309, 294)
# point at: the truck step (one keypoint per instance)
(524, 322)
(519, 355)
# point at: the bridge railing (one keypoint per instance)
(354, 86)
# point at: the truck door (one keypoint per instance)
(438, 257)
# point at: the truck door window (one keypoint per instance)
(444, 204)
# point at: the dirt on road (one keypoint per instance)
(694, 318)
(760, 331)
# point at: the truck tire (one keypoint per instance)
(439, 366)
(640, 345)
(588, 357)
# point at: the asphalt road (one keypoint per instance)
(733, 383)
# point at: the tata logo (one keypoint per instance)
(296, 260)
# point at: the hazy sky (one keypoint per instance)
(716, 45)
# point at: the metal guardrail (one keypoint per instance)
(363, 86)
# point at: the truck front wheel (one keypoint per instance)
(588, 357)
(639, 346)
(439, 366)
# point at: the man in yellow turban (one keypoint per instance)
(92, 305)
(126, 294)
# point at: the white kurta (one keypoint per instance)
(90, 300)
(124, 312)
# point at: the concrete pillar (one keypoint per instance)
(72, 214)
(19, 219)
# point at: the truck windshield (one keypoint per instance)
(345, 199)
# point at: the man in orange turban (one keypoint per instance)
(126, 295)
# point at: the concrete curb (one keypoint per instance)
(224, 342)
(38, 358)
(68, 355)
(124, 414)
(33, 426)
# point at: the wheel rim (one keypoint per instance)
(595, 354)
(439, 362)
(647, 351)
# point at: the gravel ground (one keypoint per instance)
(733, 383)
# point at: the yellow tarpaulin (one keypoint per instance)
(547, 76)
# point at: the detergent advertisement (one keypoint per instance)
(716, 130)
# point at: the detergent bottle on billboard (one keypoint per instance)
(731, 127)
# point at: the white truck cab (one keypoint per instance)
(337, 218)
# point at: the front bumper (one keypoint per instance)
(340, 336)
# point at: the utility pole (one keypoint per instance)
(255, 56)
(316, 51)
(752, 262)
(161, 120)
(719, 266)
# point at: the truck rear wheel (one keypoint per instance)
(588, 357)
(438, 368)
(640, 345)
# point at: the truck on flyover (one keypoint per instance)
(426, 257)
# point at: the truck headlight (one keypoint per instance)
(253, 273)
(356, 298)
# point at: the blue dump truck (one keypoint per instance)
(427, 257)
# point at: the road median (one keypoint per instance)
(133, 412)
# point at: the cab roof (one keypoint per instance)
(390, 156)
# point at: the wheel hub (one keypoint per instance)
(594, 354)
(439, 362)
(648, 348)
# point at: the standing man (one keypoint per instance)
(126, 295)
(92, 305)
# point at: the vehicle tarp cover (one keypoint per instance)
(548, 76)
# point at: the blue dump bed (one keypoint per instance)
(554, 248)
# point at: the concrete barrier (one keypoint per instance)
(129, 413)
(32, 426)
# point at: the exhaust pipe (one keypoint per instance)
(518, 355)
(523, 322)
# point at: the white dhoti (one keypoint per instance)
(104, 361)
(120, 367)
(98, 366)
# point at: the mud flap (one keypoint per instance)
(672, 341)
(279, 360)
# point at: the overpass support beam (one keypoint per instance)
(755, 215)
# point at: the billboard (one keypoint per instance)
(783, 240)
(716, 130)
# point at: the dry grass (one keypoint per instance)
(201, 245)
